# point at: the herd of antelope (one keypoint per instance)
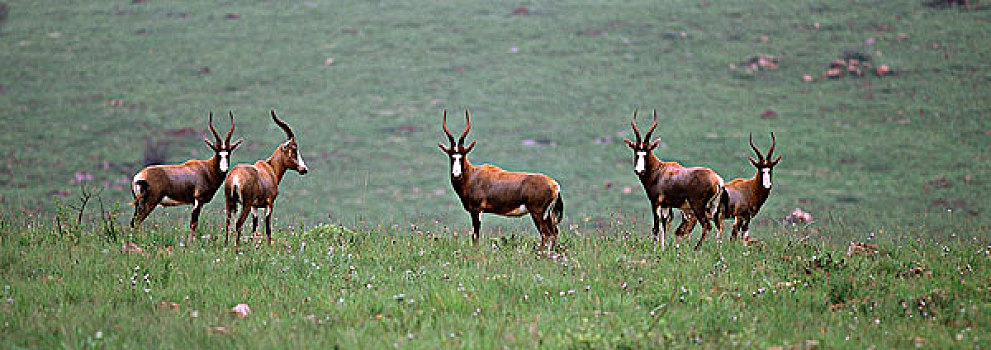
(699, 193)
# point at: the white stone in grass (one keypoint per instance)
(241, 310)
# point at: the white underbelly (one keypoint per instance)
(518, 211)
(168, 202)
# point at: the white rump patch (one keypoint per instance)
(767, 177)
(224, 164)
(557, 194)
(456, 167)
(746, 234)
(518, 211)
(135, 189)
(641, 164)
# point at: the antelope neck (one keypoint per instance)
(275, 161)
(462, 181)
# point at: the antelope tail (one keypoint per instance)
(717, 201)
(235, 193)
(556, 209)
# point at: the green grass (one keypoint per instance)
(905, 159)
(416, 287)
(868, 145)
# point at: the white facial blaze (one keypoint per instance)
(640, 165)
(299, 160)
(767, 177)
(223, 161)
(456, 167)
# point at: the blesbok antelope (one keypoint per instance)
(668, 185)
(744, 197)
(193, 182)
(489, 189)
(256, 186)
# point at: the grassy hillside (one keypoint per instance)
(91, 91)
(86, 86)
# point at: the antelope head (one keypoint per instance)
(457, 152)
(223, 148)
(764, 165)
(642, 147)
(288, 152)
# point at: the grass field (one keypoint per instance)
(90, 91)
(407, 287)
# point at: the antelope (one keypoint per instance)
(488, 189)
(744, 197)
(193, 182)
(668, 185)
(256, 186)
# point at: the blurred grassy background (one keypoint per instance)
(85, 86)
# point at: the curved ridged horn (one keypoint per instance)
(652, 127)
(283, 125)
(771, 151)
(461, 140)
(227, 141)
(759, 156)
(448, 131)
(214, 131)
(634, 123)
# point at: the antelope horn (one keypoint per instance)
(448, 132)
(771, 151)
(634, 123)
(283, 125)
(461, 140)
(652, 127)
(755, 147)
(214, 131)
(227, 141)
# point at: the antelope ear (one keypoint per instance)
(752, 161)
(211, 145)
(776, 160)
(653, 145)
(442, 148)
(629, 143)
(470, 147)
(236, 143)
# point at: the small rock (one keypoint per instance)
(328, 61)
(241, 310)
(769, 114)
(131, 247)
(521, 10)
(882, 70)
(220, 330)
(168, 306)
(797, 216)
(833, 73)
(232, 16)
